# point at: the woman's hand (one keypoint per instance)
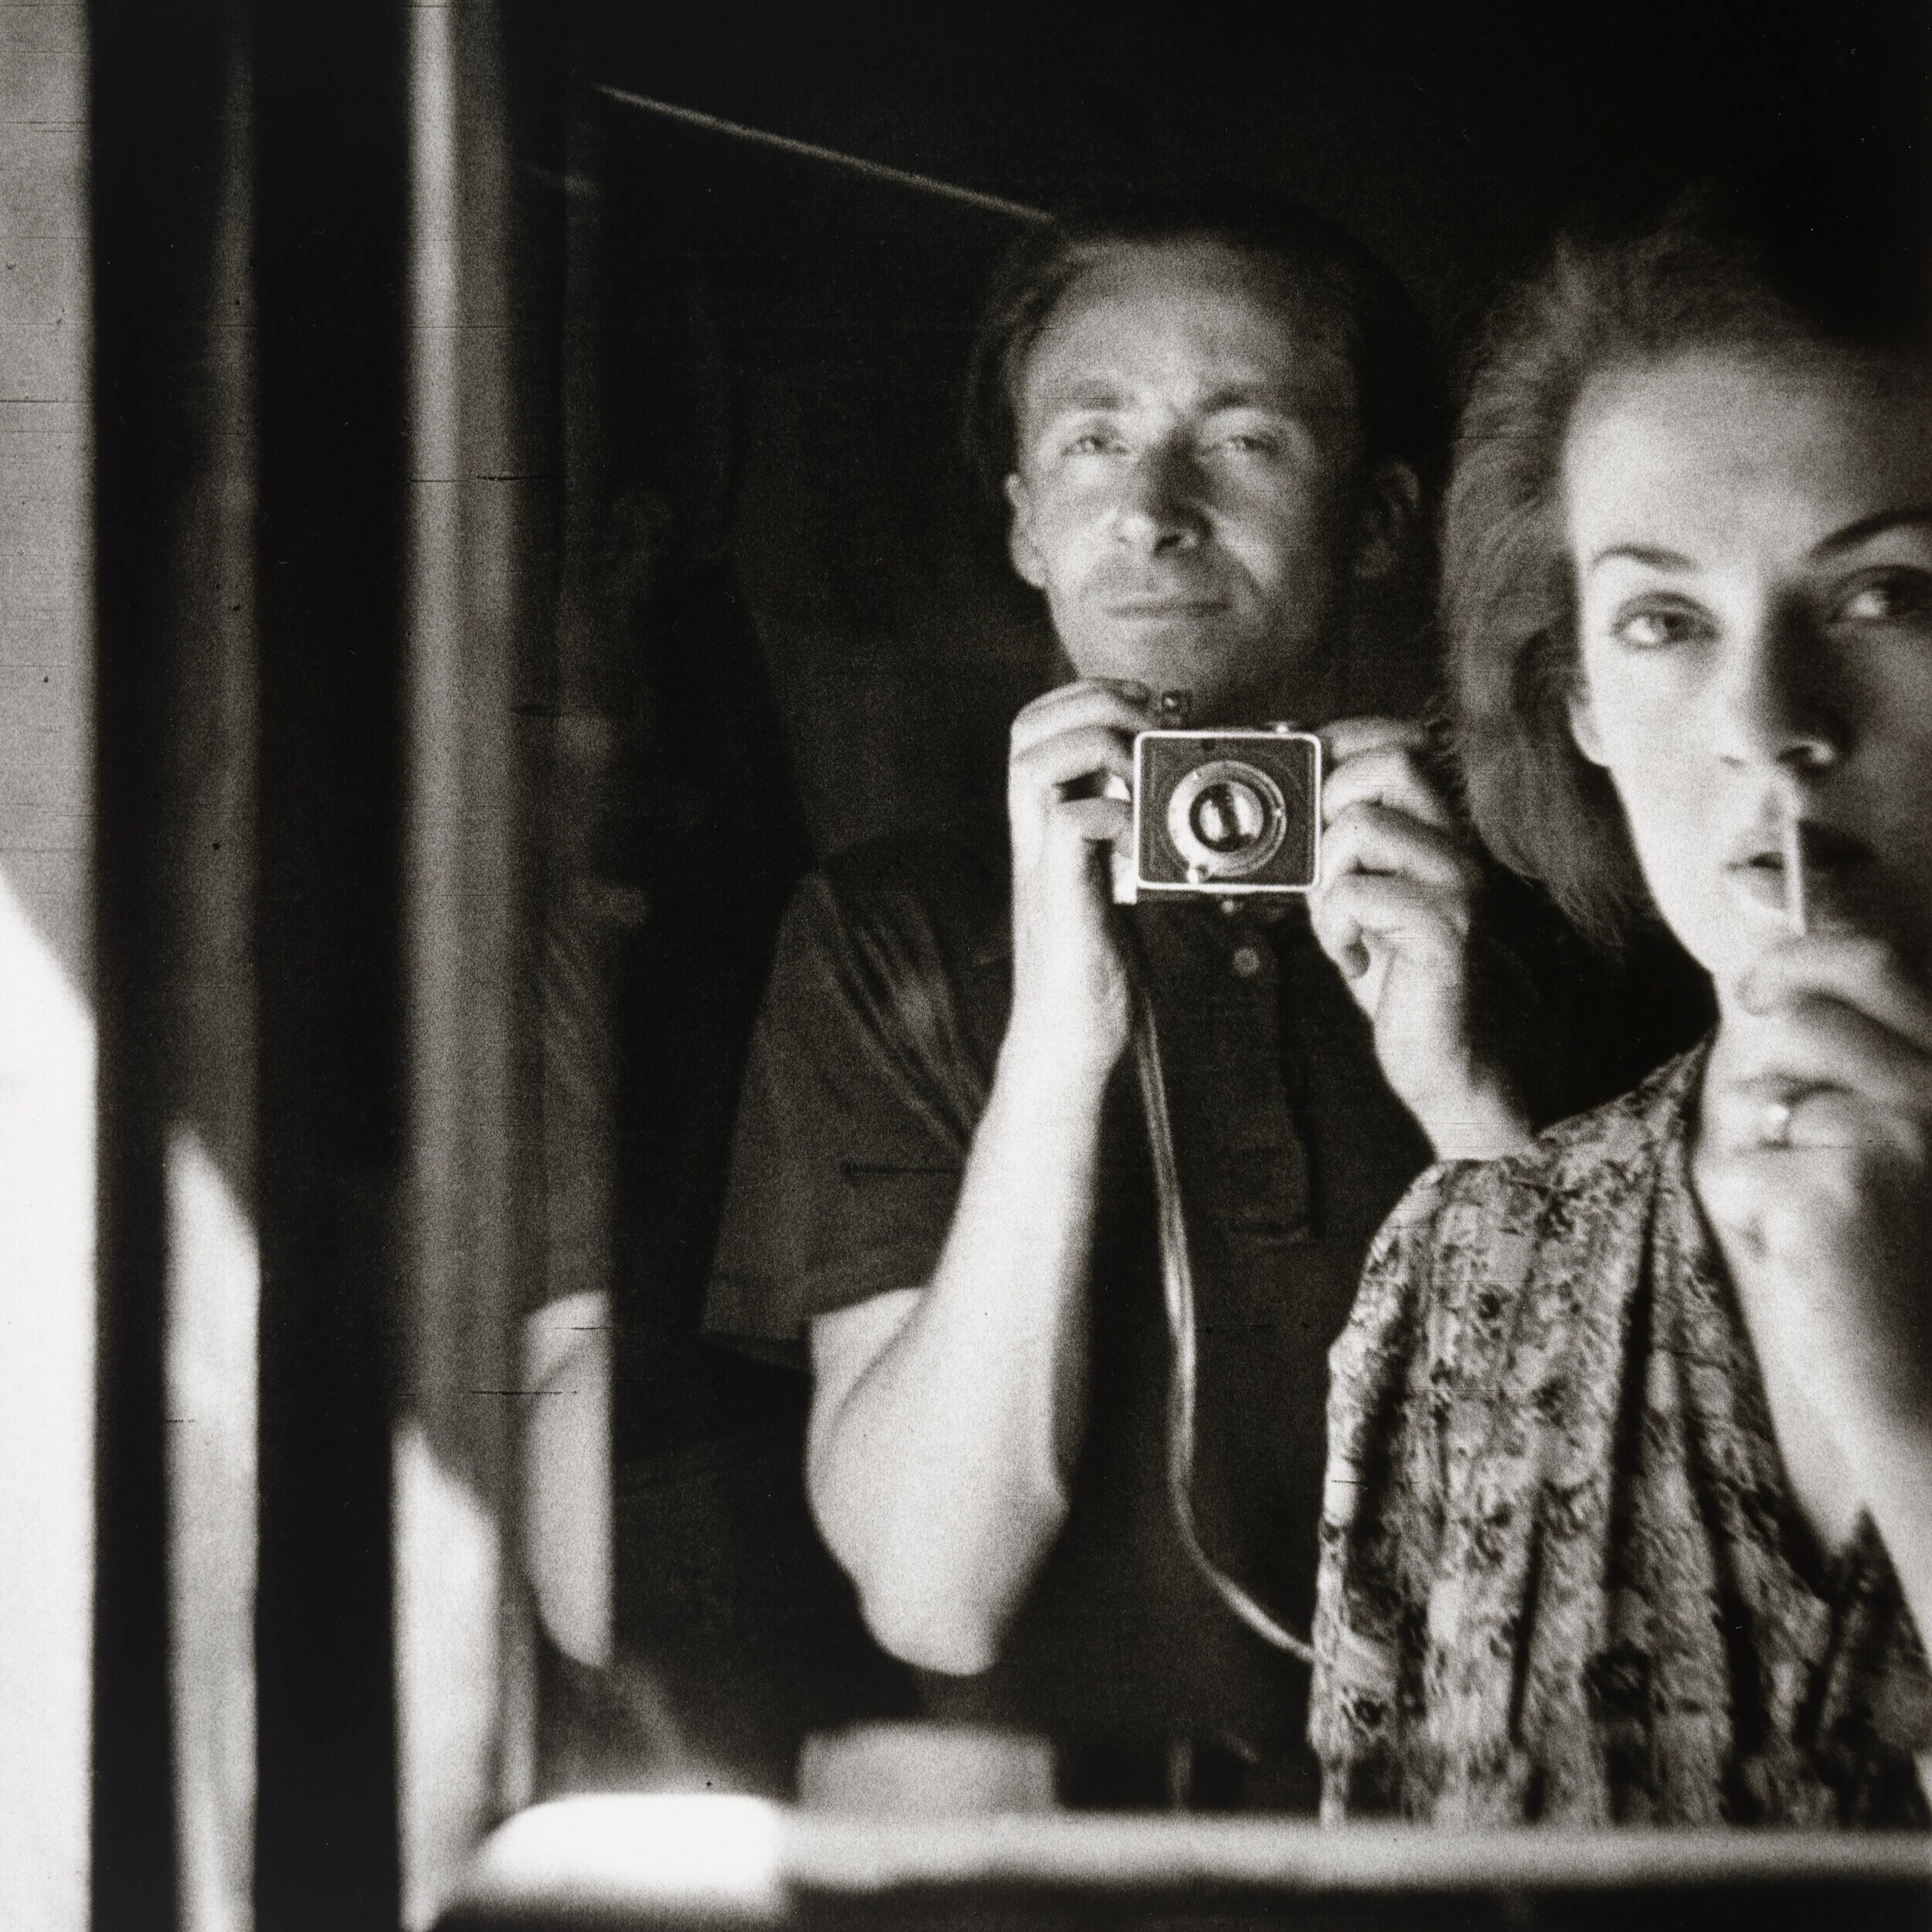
(1392, 910)
(1818, 1175)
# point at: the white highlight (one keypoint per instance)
(214, 1299)
(1791, 814)
(46, 1427)
(567, 1472)
(447, 1554)
(648, 1854)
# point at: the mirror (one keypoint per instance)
(792, 624)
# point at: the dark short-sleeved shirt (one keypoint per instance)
(868, 1072)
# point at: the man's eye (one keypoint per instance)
(1092, 443)
(1888, 599)
(1244, 442)
(1652, 627)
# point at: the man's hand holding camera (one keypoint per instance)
(1392, 910)
(1072, 763)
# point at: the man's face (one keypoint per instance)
(1189, 493)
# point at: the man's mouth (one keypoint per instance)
(1168, 605)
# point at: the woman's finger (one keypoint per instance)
(1777, 1117)
(1818, 1041)
(1855, 969)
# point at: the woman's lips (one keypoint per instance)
(1834, 862)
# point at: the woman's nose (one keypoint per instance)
(1158, 509)
(1776, 704)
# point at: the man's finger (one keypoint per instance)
(1088, 751)
(1095, 820)
(1373, 839)
(1345, 738)
(1389, 776)
(1383, 906)
(1074, 707)
(1365, 910)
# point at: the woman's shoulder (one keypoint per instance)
(1599, 1156)
(1476, 1248)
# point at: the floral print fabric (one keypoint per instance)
(1561, 1575)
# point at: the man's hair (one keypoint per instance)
(1715, 271)
(1332, 284)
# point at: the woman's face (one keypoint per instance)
(1752, 540)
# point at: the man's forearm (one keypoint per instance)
(938, 1467)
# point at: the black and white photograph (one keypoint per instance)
(965, 967)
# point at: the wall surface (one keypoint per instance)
(46, 1035)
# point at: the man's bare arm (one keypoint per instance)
(945, 1419)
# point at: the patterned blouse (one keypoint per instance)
(1562, 1577)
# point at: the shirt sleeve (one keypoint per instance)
(857, 1106)
(1383, 1507)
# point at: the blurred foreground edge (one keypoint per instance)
(671, 1860)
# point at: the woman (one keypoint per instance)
(1629, 1503)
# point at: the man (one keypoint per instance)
(1206, 423)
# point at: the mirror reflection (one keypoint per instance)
(978, 1125)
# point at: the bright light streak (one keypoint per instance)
(649, 1853)
(46, 1426)
(214, 1299)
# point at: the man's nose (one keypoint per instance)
(1776, 701)
(1159, 508)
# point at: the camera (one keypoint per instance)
(1219, 815)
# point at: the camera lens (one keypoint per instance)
(1227, 818)
(1229, 815)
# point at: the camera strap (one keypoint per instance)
(1177, 1282)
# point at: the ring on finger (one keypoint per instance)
(1774, 1124)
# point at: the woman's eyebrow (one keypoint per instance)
(1644, 553)
(1918, 516)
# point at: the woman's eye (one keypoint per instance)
(1889, 599)
(1650, 627)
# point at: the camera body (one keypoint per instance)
(1223, 814)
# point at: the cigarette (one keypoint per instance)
(1793, 854)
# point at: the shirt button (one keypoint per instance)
(1246, 961)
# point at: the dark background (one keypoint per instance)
(799, 616)
(815, 325)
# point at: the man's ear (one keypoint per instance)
(1020, 545)
(1389, 504)
(1583, 723)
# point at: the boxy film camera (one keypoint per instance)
(1221, 813)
